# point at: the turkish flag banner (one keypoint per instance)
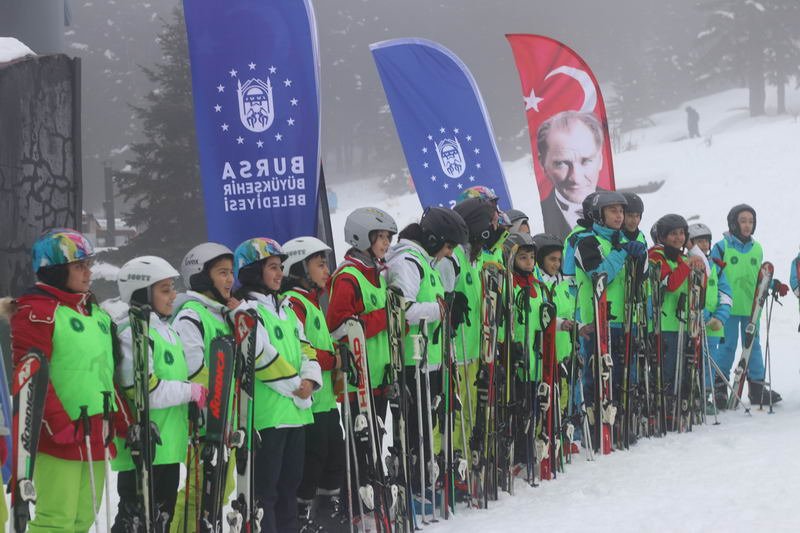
(568, 127)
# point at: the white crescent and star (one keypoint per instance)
(584, 80)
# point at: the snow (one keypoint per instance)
(12, 48)
(79, 46)
(739, 475)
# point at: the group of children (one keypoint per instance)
(302, 308)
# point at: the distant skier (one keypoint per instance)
(693, 122)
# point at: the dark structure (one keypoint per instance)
(40, 164)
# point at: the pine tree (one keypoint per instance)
(163, 188)
(752, 41)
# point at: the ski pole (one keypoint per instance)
(421, 434)
(345, 364)
(87, 431)
(107, 438)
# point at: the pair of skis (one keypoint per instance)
(604, 410)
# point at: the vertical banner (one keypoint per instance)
(568, 128)
(255, 82)
(441, 120)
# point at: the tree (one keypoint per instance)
(751, 41)
(163, 187)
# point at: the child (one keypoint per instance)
(742, 256)
(605, 250)
(60, 317)
(358, 290)
(411, 270)
(318, 497)
(207, 272)
(633, 216)
(675, 267)
(287, 373)
(149, 280)
(717, 308)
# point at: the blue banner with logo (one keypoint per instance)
(255, 79)
(441, 120)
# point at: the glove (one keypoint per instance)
(714, 324)
(350, 370)
(780, 288)
(635, 249)
(459, 310)
(199, 394)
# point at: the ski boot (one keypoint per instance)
(760, 395)
(305, 513)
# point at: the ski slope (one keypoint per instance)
(743, 474)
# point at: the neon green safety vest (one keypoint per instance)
(564, 299)
(534, 328)
(468, 336)
(273, 409)
(615, 291)
(169, 364)
(213, 327)
(741, 269)
(374, 298)
(430, 288)
(318, 335)
(82, 360)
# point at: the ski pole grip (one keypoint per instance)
(87, 427)
(106, 405)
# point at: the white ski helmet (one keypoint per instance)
(141, 273)
(194, 263)
(299, 249)
(699, 230)
(364, 220)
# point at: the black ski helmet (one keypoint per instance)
(733, 215)
(546, 243)
(477, 213)
(441, 225)
(635, 204)
(670, 222)
(604, 199)
(586, 206)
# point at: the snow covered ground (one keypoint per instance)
(743, 474)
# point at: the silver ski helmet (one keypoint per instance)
(136, 277)
(362, 222)
(198, 261)
(698, 230)
(546, 243)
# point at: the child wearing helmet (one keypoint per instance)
(605, 249)
(200, 317)
(357, 289)
(60, 317)
(306, 276)
(149, 280)
(634, 208)
(287, 374)
(411, 271)
(717, 306)
(461, 280)
(675, 268)
(742, 256)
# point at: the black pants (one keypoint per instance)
(277, 471)
(165, 489)
(324, 455)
